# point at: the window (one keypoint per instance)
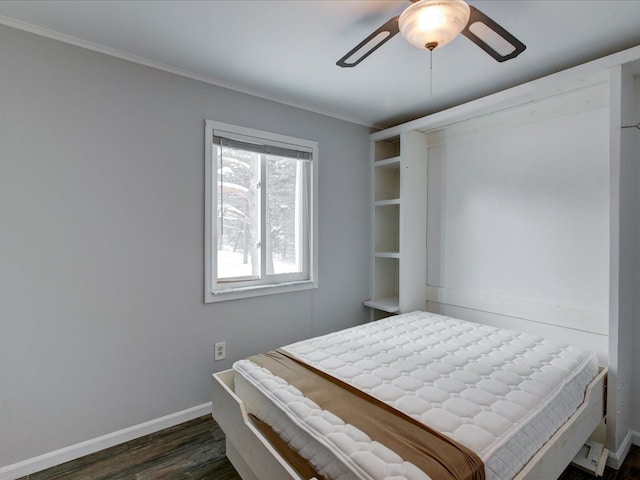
(260, 224)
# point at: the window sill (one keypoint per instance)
(258, 290)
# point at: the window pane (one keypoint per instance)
(238, 214)
(285, 194)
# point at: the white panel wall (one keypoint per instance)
(530, 199)
(518, 209)
(102, 321)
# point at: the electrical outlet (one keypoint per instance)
(220, 352)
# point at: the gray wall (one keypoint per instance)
(102, 323)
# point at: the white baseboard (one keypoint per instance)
(51, 459)
(616, 458)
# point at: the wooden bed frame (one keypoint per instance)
(254, 458)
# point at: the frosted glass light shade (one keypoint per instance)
(433, 23)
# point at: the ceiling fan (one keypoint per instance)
(429, 24)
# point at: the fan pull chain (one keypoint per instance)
(430, 72)
(431, 46)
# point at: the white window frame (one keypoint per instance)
(215, 291)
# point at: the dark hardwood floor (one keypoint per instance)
(195, 451)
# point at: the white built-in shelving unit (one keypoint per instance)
(386, 225)
(399, 170)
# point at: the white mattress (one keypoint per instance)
(500, 393)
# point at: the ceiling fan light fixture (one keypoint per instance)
(428, 24)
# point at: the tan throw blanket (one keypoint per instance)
(435, 454)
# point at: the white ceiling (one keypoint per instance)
(286, 49)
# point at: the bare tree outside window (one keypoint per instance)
(283, 218)
(238, 214)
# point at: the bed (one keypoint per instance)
(510, 405)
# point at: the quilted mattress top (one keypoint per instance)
(500, 393)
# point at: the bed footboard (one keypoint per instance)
(562, 447)
(254, 457)
(248, 451)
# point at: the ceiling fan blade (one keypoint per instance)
(370, 44)
(491, 37)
